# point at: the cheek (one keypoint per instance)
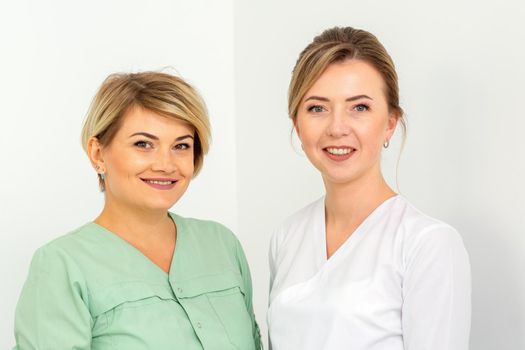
(375, 132)
(370, 140)
(307, 133)
(127, 164)
(186, 165)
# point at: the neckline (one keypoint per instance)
(128, 246)
(355, 234)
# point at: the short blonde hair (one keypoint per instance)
(336, 45)
(161, 93)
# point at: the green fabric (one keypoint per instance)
(92, 290)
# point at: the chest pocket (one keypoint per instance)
(223, 296)
(125, 312)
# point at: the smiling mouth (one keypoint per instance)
(160, 184)
(339, 153)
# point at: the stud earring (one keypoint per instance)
(386, 144)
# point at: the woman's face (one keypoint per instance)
(149, 163)
(344, 120)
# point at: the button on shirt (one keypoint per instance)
(90, 289)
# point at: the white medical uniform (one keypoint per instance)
(401, 281)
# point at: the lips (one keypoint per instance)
(339, 153)
(160, 183)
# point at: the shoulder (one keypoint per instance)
(212, 242)
(291, 235)
(426, 236)
(67, 244)
(60, 254)
(209, 237)
(204, 229)
(299, 221)
(418, 225)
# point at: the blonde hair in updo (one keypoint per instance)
(336, 45)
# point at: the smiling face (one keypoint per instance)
(343, 121)
(149, 163)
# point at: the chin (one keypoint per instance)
(160, 205)
(156, 207)
(338, 178)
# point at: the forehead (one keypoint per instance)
(138, 119)
(349, 77)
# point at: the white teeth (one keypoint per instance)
(339, 151)
(159, 182)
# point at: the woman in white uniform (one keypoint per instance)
(360, 268)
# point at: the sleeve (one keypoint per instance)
(272, 256)
(51, 312)
(436, 292)
(247, 280)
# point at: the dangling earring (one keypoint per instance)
(386, 144)
(100, 173)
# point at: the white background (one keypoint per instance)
(462, 78)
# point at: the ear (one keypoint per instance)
(94, 152)
(391, 124)
(296, 126)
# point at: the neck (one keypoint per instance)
(349, 202)
(135, 223)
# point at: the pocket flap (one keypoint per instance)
(209, 283)
(117, 294)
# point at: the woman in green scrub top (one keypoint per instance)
(138, 276)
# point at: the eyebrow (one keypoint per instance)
(349, 99)
(153, 137)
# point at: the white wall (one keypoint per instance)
(461, 76)
(54, 56)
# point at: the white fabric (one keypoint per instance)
(400, 281)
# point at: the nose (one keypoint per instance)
(339, 124)
(165, 161)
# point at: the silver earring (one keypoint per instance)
(100, 173)
(386, 144)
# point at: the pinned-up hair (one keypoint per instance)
(337, 45)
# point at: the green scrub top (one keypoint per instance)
(90, 289)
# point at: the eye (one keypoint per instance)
(361, 108)
(316, 109)
(182, 146)
(143, 144)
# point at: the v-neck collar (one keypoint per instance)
(133, 250)
(355, 235)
